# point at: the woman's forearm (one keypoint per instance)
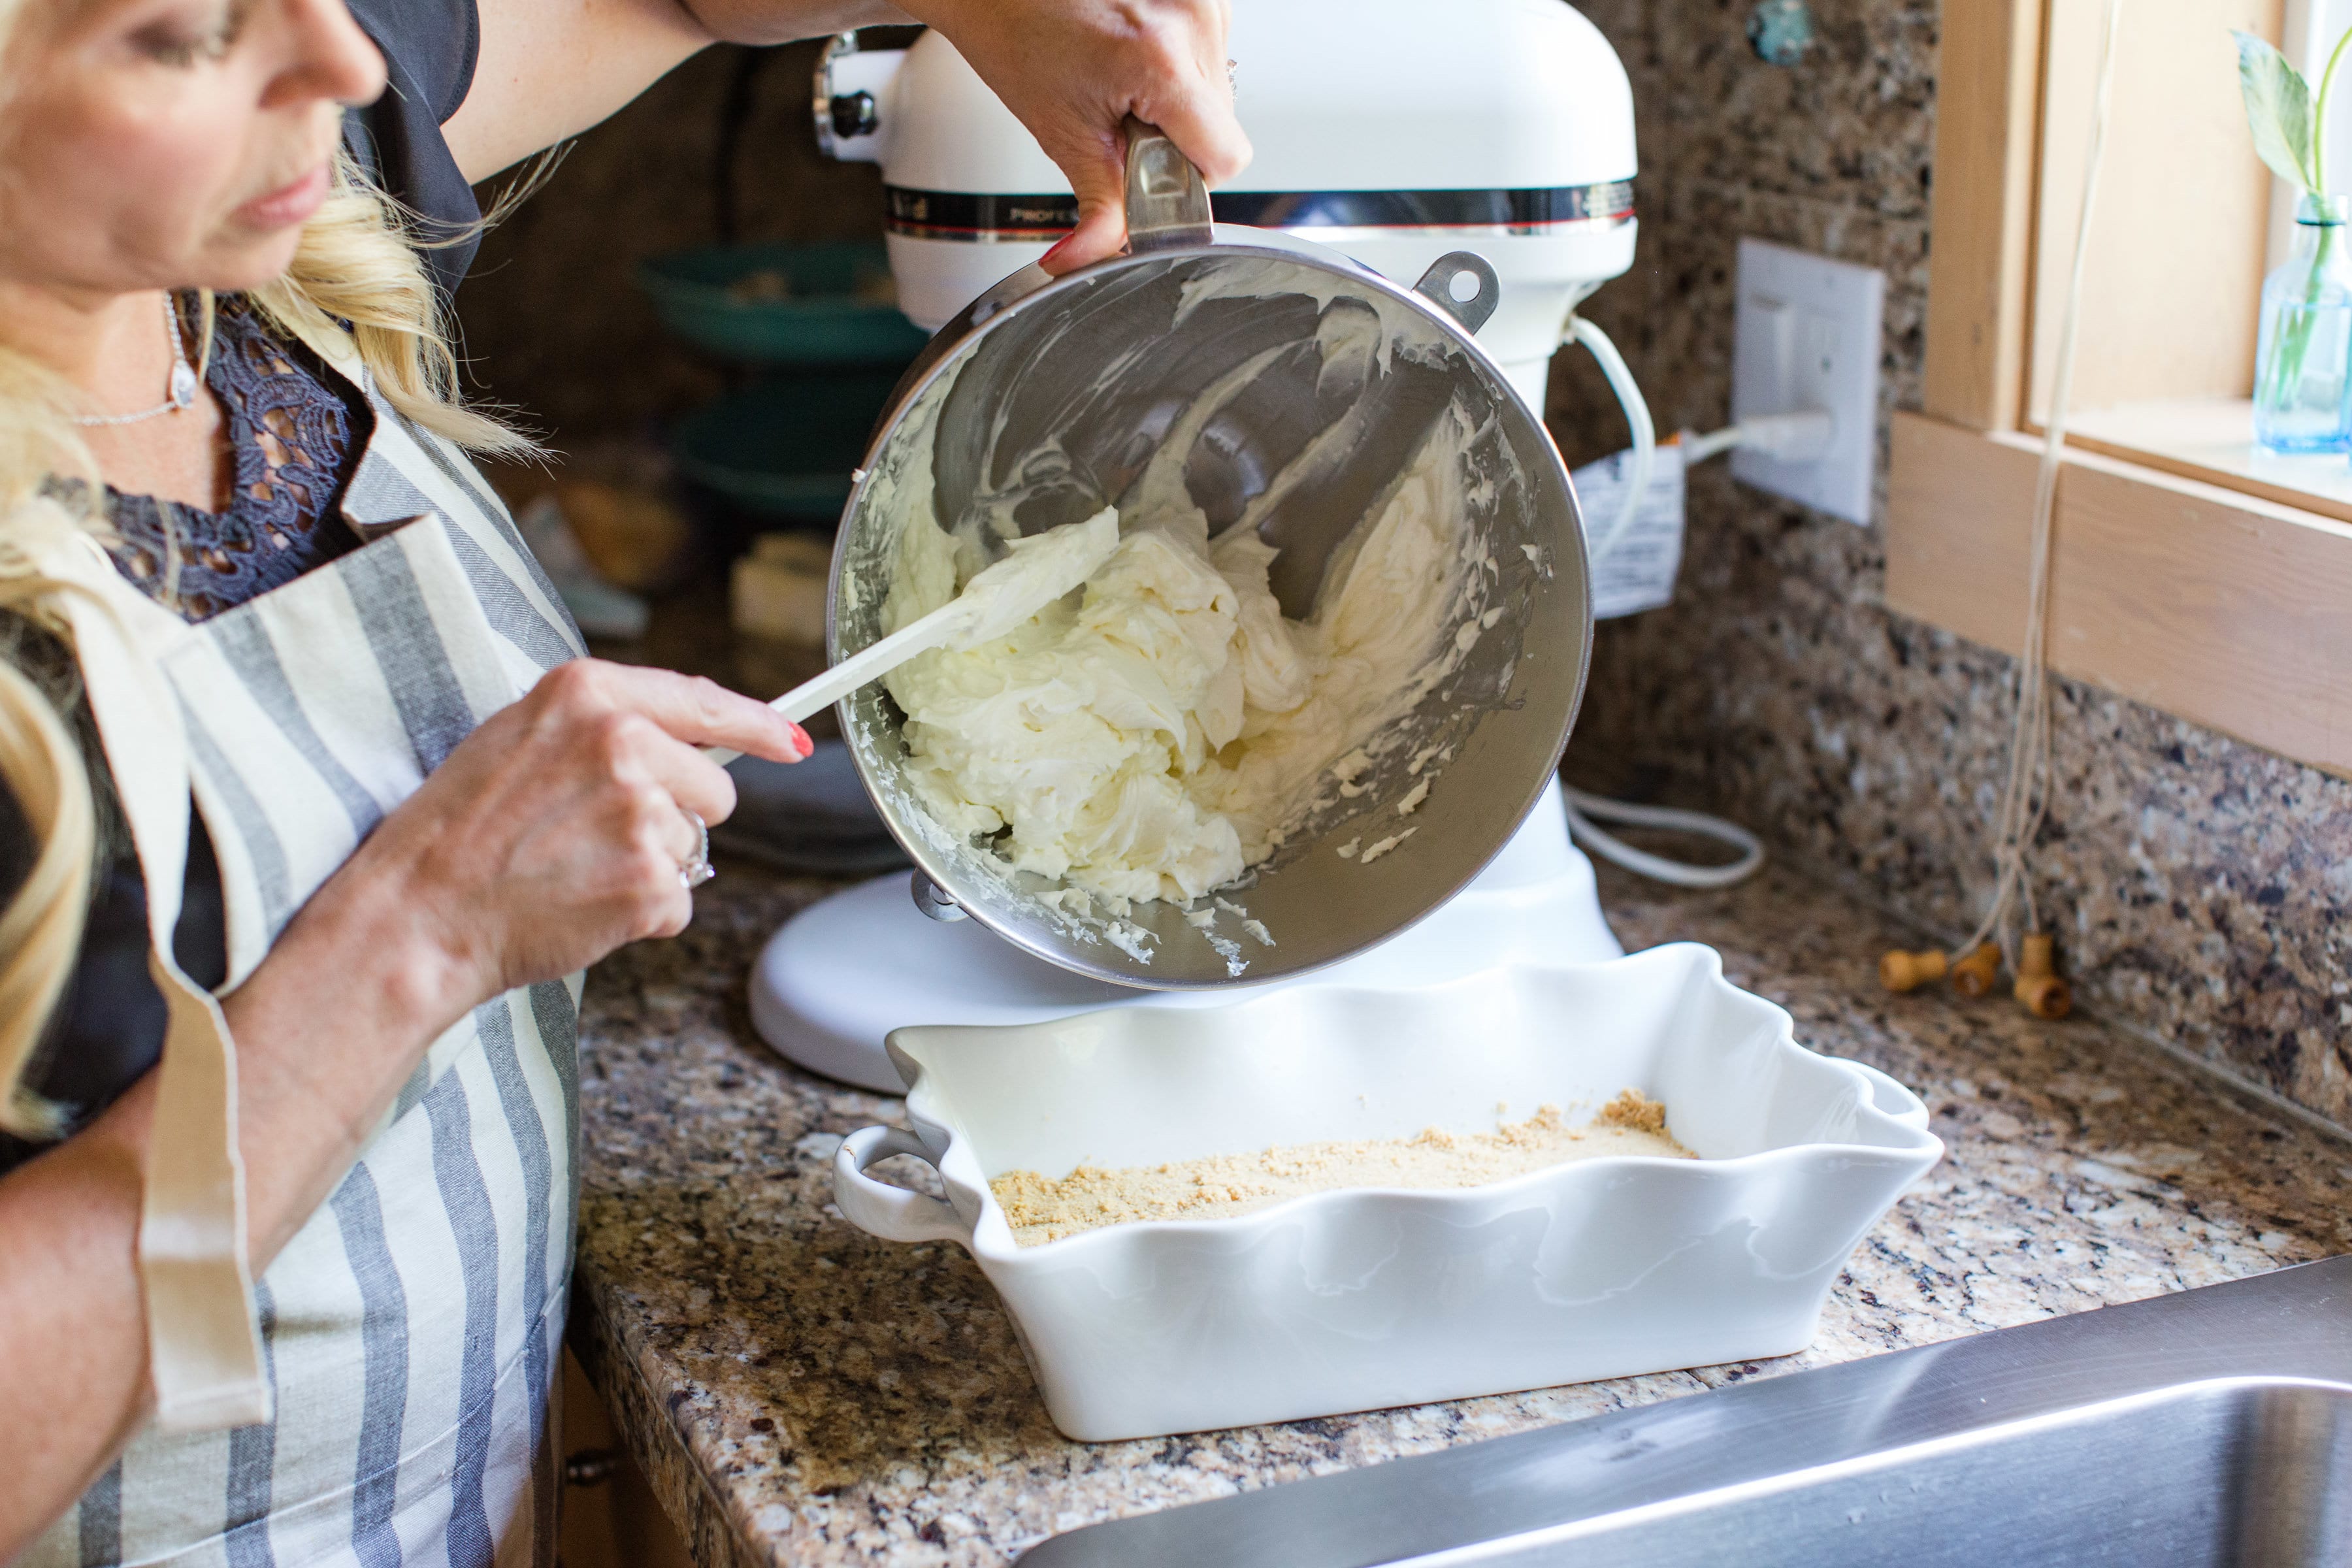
(73, 1338)
(781, 21)
(549, 69)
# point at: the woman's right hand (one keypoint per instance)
(550, 835)
(555, 833)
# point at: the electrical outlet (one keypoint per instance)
(1808, 338)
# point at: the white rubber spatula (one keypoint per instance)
(1038, 570)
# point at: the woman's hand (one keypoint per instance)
(550, 835)
(556, 832)
(1072, 71)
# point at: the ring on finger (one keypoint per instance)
(696, 869)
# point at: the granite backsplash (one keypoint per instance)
(2197, 884)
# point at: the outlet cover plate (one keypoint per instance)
(1807, 336)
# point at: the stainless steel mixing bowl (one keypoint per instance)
(1103, 362)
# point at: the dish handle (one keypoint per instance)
(1889, 1096)
(894, 1213)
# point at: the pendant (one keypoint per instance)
(184, 386)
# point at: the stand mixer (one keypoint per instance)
(1391, 132)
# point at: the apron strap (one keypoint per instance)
(203, 1339)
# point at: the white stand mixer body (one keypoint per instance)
(1392, 131)
(844, 972)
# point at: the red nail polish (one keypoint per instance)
(801, 739)
(1061, 245)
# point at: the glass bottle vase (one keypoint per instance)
(2302, 396)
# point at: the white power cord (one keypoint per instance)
(1637, 418)
(1583, 807)
(1799, 437)
(1802, 437)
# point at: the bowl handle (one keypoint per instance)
(1437, 285)
(1891, 1098)
(1167, 201)
(894, 1213)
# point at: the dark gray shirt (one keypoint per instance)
(429, 48)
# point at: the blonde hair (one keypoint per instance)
(356, 268)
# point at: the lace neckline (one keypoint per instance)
(295, 431)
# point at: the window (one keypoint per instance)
(2186, 229)
(2190, 571)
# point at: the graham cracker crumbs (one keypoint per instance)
(1636, 1113)
(1222, 1187)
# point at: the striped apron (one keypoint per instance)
(382, 1395)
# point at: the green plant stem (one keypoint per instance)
(2293, 342)
(2319, 117)
(2292, 346)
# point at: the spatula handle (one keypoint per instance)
(869, 663)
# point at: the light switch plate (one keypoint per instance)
(1808, 337)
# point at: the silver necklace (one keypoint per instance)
(183, 378)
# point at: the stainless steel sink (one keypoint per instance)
(2211, 1427)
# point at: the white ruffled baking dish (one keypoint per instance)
(1370, 1296)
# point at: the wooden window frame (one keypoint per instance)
(2221, 601)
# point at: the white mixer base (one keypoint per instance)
(844, 972)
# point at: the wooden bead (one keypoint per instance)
(2039, 989)
(2044, 995)
(1901, 971)
(1975, 974)
(2036, 956)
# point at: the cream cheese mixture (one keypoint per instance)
(1156, 734)
(1002, 599)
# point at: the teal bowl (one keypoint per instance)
(784, 449)
(783, 304)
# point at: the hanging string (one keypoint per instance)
(2025, 793)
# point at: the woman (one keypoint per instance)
(307, 793)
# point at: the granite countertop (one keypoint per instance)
(801, 1392)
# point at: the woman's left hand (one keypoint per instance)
(1072, 71)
